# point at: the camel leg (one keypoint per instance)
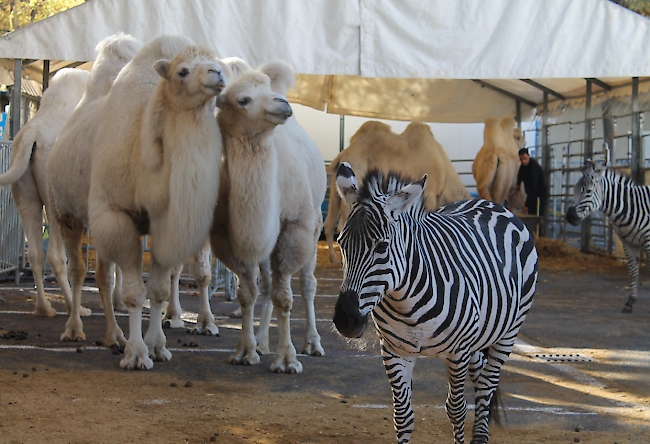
(117, 240)
(202, 274)
(157, 292)
(246, 353)
(333, 213)
(71, 232)
(104, 278)
(57, 259)
(308, 284)
(295, 248)
(30, 208)
(116, 295)
(262, 337)
(172, 316)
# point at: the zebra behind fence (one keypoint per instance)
(626, 204)
(456, 284)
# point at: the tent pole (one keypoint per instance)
(587, 153)
(518, 115)
(15, 98)
(636, 162)
(546, 158)
(342, 133)
(46, 74)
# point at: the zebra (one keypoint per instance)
(455, 283)
(626, 204)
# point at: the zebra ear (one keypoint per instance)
(404, 198)
(346, 183)
(599, 168)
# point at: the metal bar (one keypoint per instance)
(342, 133)
(546, 155)
(543, 88)
(15, 98)
(46, 74)
(585, 233)
(637, 151)
(506, 93)
(518, 115)
(600, 83)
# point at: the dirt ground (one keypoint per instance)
(76, 392)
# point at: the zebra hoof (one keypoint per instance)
(626, 309)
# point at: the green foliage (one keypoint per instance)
(15, 14)
(639, 6)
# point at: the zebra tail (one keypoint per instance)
(496, 409)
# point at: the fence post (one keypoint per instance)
(546, 160)
(587, 153)
(15, 98)
(341, 133)
(636, 161)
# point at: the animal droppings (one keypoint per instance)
(98, 343)
(173, 384)
(213, 439)
(188, 384)
(80, 349)
(193, 344)
(17, 335)
(25, 375)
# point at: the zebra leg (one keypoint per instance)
(487, 384)
(476, 364)
(632, 255)
(456, 406)
(400, 376)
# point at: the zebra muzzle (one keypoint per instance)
(347, 318)
(572, 216)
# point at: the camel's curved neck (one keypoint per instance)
(253, 200)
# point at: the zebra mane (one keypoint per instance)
(375, 184)
(618, 176)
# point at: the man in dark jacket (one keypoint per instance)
(532, 175)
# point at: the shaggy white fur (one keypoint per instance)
(154, 168)
(413, 153)
(273, 182)
(496, 165)
(69, 157)
(26, 174)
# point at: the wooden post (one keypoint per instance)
(636, 161)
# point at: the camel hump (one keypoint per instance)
(371, 127)
(507, 124)
(493, 132)
(281, 74)
(418, 130)
(120, 46)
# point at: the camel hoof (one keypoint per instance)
(263, 349)
(120, 307)
(245, 360)
(626, 309)
(313, 349)
(83, 311)
(236, 314)
(45, 312)
(173, 323)
(290, 368)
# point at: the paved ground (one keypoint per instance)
(53, 391)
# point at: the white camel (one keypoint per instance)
(31, 149)
(413, 153)
(268, 215)
(496, 165)
(153, 159)
(28, 181)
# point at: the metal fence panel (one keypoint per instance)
(12, 238)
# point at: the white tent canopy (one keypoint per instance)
(429, 60)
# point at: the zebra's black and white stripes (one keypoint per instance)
(456, 283)
(626, 204)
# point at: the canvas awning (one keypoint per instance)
(429, 60)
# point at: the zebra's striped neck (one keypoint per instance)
(621, 196)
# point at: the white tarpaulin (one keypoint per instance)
(407, 60)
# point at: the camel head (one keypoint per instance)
(249, 106)
(194, 76)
